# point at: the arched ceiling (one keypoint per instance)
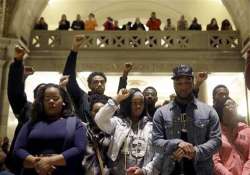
(124, 10)
(27, 11)
(240, 12)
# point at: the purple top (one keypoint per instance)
(47, 137)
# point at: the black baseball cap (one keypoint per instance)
(182, 70)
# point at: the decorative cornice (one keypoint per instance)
(145, 67)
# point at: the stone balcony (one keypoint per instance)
(155, 51)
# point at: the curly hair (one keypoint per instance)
(38, 112)
(93, 74)
(125, 105)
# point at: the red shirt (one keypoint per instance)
(154, 24)
(233, 157)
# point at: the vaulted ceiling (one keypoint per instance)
(124, 10)
(27, 11)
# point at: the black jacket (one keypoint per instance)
(78, 25)
(137, 26)
(79, 97)
(17, 96)
(20, 105)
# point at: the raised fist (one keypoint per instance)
(77, 42)
(19, 53)
(200, 78)
(122, 95)
(128, 67)
(64, 80)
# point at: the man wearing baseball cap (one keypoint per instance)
(186, 131)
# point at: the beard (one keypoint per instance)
(184, 100)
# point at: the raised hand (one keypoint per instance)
(127, 68)
(19, 53)
(200, 78)
(28, 70)
(64, 80)
(77, 42)
(122, 95)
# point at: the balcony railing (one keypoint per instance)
(164, 40)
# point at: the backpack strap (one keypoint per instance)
(70, 131)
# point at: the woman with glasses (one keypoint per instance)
(53, 142)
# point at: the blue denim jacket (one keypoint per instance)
(203, 132)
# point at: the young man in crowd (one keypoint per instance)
(96, 82)
(186, 131)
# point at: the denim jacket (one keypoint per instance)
(203, 132)
(119, 129)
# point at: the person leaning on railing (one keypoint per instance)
(153, 23)
(90, 23)
(64, 24)
(41, 25)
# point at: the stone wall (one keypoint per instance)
(6, 54)
(2, 15)
(6, 9)
(24, 15)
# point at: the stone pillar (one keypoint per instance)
(4, 104)
(2, 15)
(7, 46)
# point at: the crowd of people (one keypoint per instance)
(153, 24)
(66, 130)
